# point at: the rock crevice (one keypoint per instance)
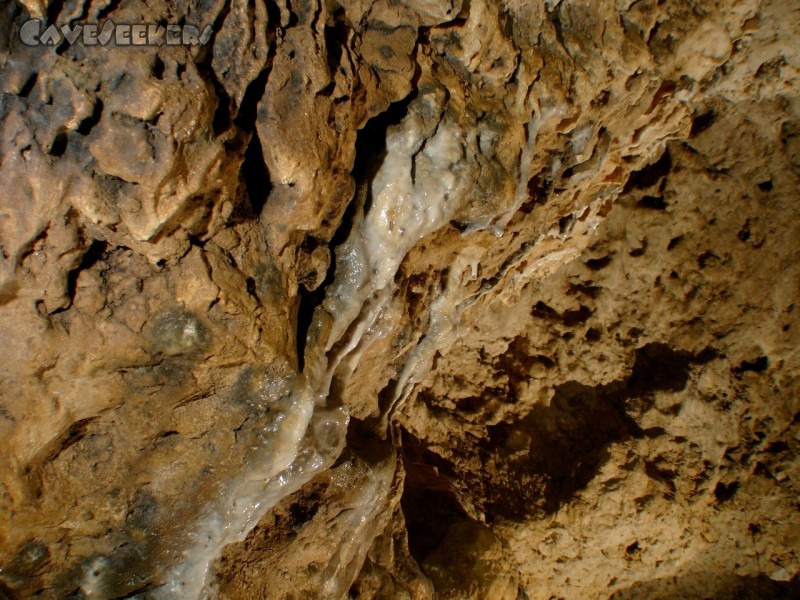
(401, 299)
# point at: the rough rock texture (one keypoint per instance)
(402, 299)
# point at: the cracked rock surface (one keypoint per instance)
(402, 299)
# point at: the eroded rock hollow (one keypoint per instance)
(400, 299)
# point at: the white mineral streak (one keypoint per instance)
(424, 180)
(446, 314)
(447, 309)
(417, 190)
(540, 117)
(296, 454)
(419, 187)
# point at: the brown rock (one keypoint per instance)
(401, 300)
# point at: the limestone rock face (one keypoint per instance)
(401, 299)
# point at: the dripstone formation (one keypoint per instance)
(404, 299)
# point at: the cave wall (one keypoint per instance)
(401, 300)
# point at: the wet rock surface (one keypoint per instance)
(402, 300)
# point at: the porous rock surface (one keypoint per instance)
(402, 299)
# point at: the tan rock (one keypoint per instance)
(402, 300)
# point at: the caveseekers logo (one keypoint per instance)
(34, 33)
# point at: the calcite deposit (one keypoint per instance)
(402, 299)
